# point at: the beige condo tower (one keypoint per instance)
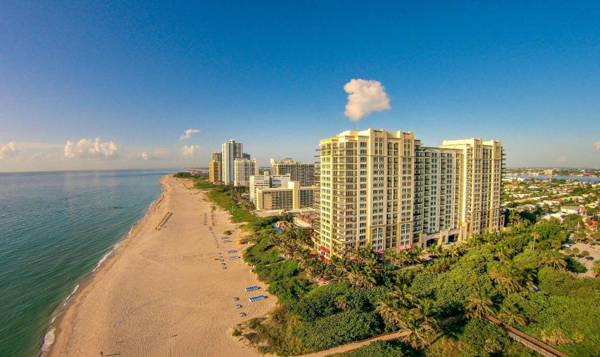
(386, 190)
(214, 167)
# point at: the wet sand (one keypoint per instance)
(166, 292)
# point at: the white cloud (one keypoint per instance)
(187, 134)
(8, 151)
(91, 149)
(597, 145)
(190, 150)
(156, 154)
(365, 97)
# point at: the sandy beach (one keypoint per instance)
(166, 292)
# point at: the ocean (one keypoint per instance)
(55, 228)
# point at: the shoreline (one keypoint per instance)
(51, 330)
(167, 291)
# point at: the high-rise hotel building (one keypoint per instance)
(387, 190)
(243, 168)
(480, 185)
(230, 151)
(214, 167)
(299, 171)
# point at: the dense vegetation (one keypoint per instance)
(382, 349)
(518, 276)
(441, 298)
(228, 199)
(183, 175)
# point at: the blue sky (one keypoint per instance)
(272, 75)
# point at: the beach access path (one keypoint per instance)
(169, 290)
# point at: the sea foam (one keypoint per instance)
(49, 339)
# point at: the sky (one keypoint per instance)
(113, 85)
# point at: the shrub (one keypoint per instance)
(204, 185)
(596, 268)
(557, 282)
(382, 349)
(338, 329)
(585, 253)
(574, 266)
(289, 290)
(484, 338)
(320, 302)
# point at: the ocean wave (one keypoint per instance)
(103, 259)
(71, 295)
(49, 339)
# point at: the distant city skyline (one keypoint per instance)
(87, 86)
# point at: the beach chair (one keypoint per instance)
(257, 298)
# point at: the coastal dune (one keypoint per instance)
(169, 291)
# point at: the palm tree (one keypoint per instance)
(479, 306)
(404, 257)
(514, 218)
(389, 311)
(342, 303)
(503, 254)
(554, 259)
(359, 280)
(508, 279)
(404, 311)
(421, 328)
(512, 316)
(535, 236)
(286, 246)
(363, 269)
(455, 251)
(437, 250)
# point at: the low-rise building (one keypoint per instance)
(291, 196)
(266, 181)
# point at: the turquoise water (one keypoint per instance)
(54, 229)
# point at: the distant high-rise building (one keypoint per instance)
(230, 151)
(264, 170)
(302, 172)
(242, 170)
(385, 190)
(214, 167)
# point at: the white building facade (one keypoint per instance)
(243, 169)
(230, 151)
